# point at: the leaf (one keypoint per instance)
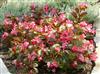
(77, 10)
(74, 14)
(39, 52)
(83, 14)
(89, 36)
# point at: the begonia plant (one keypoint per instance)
(45, 36)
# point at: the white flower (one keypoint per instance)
(62, 27)
(55, 45)
(69, 25)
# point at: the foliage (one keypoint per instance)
(46, 35)
(12, 9)
(68, 5)
(19, 7)
(2, 2)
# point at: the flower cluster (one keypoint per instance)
(48, 36)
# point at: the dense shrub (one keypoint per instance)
(46, 36)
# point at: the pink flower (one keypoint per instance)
(66, 36)
(55, 20)
(83, 24)
(88, 45)
(45, 28)
(29, 57)
(34, 53)
(51, 35)
(82, 36)
(39, 29)
(85, 47)
(62, 17)
(41, 21)
(48, 64)
(17, 63)
(43, 49)
(14, 32)
(30, 72)
(32, 25)
(32, 6)
(57, 49)
(32, 56)
(5, 35)
(89, 27)
(36, 40)
(74, 64)
(93, 56)
(40, 58)
(7, 22)
(14, 61)
(93, 31)
(14, 49)
(69, 24)
(33, 41)
(83, 5)
(75, 48)
(91, 41)
(55, 64)
(14, 26)
(78, 49)
(69, 21)
(91, 47)
(81, 50)
(53, 70)
(26, 25)
(25, 44)
(42, 45)
(64, 45)
(53, 11)
(81, 58)
(46, 8)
